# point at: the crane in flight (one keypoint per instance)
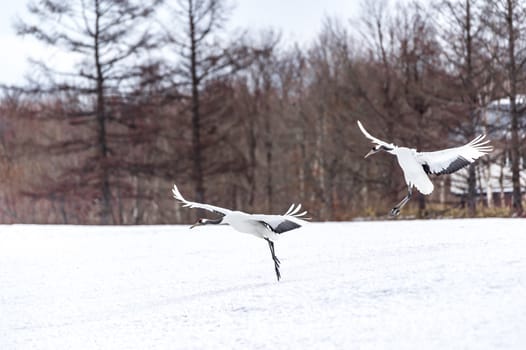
(417, 165)
(267, 227)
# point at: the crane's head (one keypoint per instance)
(379, 148)
(374, 150)
(199, 223)
(202, 221)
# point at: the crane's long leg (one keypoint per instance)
(396, 210)
(274, 257)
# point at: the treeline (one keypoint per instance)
(162, 94)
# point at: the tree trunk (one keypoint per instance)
(471, 200)
(472, 180)
(268, 149)
(515, 145)
(252, 159)
(102, 137)
(515, 161)
(197, 151)
(321, 163)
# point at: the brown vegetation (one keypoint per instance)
(251, 123)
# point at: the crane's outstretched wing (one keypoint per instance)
(212, 208)
(452, 159)
(374, 139)
(291, 220)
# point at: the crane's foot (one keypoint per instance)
(278, 274)
(395, 211)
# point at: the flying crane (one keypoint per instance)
(267, 227)
(417, 165)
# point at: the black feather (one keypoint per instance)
(284, 226)
(426, 168)
(455, 165)
(218, 213)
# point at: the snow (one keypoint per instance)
(449, 284)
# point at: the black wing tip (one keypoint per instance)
(286, 226)
(454, 166)
(427, 169)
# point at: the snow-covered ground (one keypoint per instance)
(451, 284)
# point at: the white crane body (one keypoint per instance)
(414, 173)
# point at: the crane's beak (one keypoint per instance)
(371, 152)
(195, 225)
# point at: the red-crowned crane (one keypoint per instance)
(267, 227)
(417, 165)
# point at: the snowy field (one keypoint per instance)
(451, 284)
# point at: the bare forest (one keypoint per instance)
(162, 93)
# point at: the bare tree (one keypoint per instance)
(470, 74)
(201, 57)
(109, 37)
(378, 84)
(505, 18)
(419, 68)
(261, 83)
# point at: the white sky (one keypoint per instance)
(298, 20)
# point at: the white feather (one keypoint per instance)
(374, 139)
(414, 173)
(177, 195)
(440, 161)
